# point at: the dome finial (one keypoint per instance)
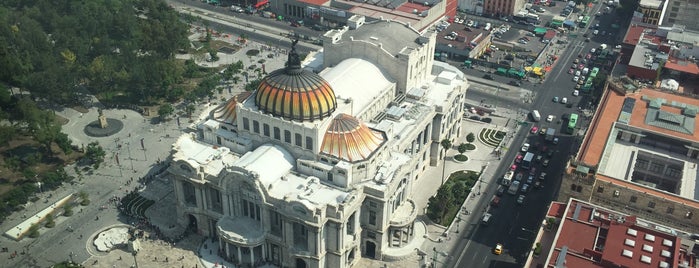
(294, 61)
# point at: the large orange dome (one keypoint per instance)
(349, 139)
(295, 94)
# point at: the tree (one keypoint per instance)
(165, 110)
(470, 137)
(189, 109)
(95, 154)
(462, 148)
(49, 222)
(446, 144)
(33, 231)
(84, 198)
(68, 210)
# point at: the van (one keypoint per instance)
(536, 116)
(486, 218)
(238, 9)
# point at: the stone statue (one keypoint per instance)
(102, 119)
(294, 60)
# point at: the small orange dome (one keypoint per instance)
(349, 139)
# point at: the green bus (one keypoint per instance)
(584, 21)
(572, 123)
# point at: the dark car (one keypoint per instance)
(486, 120)
(515, 83)
(564, 116)
(487, 76)
(501, 190)
(475, 117)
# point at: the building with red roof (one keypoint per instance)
(591, 236)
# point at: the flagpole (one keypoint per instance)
(144, 150)
(116, 157)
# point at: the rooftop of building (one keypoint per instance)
(593, 236)
(657, 4)
(647, 56)
(636, 32)
(392, 36)
(399, 10)
(645, 111)
(466, 37)
(682, 65)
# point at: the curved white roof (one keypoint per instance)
(358, 79)
(270, 162)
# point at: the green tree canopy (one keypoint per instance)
(55, 47)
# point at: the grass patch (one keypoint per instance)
(470, 147)
(444, 206)
(461, 158)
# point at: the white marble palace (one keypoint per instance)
(315, 168)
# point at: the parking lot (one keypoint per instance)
(515, 45)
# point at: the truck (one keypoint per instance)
(550, 134)
(536, 116)
(514, 187)
(507, 178)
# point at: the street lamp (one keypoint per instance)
(458, 219)
(71, 257)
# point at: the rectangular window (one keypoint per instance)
(633, 199)
(255, 126)
(372, 217)
(265, 129)
(600, 189)
(277, 135)
(670, 210)
(287, 136)
(246, 123)
(651, 204)
(309, 143)
(298, 139)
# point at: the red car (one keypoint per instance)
(518, 159)
(581, 66)
(513, 167)
(535, 129)
(571, 71)
(588, 56)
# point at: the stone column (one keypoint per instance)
(689, 152)
(252, 256)
(239, 257)
(637, 139)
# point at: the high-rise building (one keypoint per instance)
(683, 12)
(316, 170)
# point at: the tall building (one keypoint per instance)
(683, 12)
(499, 8)
(652, 11)
(316, 170)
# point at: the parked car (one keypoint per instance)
(520, 200)
(501, 190)
(534, 130)
(487, 76)
(525, 147)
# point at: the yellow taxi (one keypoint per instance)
(498, 249)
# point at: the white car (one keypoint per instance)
(576, 93)
(549, 118)
(593, 50)
(577, 73)
(525, 147)
(564, 100)
(595, 32)
(576, 78)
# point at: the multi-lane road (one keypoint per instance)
(515, 225)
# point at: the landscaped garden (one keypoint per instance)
(491, 137)
(444, 206)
